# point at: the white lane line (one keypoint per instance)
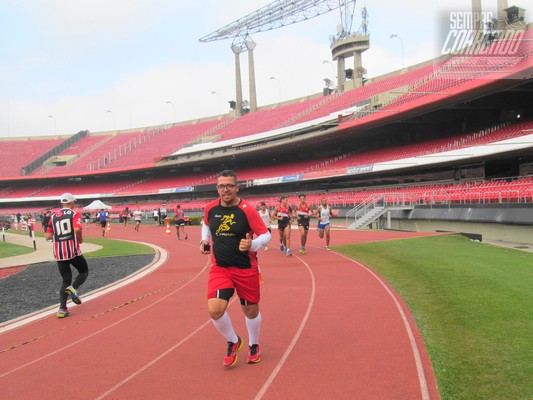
(107, 327)
(272, 376)
(414, 346)
(153, 361)
(159, 357)
(295, 338)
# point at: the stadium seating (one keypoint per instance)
(266, 119)
(519, 189)
(166, 142)
(18, 153)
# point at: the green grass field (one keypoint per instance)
(9, 249)
(111, 248)
(474, 306)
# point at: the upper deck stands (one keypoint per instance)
(164, 143)
(352, 97)
(103, 152)
(85, 145)
(18, 153)
(266, 119)
(494, 61)
(98, 152)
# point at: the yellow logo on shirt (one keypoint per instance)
(225, 223)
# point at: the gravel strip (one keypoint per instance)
(37, 287)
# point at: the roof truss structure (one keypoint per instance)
(275, 15)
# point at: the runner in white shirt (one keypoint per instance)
(137, 217)
(324, 213)
(264, 213)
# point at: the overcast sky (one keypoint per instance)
(76, 60)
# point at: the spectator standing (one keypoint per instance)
(45, 219)
(65, 230)
(162, 214)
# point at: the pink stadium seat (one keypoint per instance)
(18, 153)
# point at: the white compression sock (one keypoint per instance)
(224, 326)
(254, 326)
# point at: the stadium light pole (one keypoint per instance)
(219, 102)
(273, 78)
(173, 109)
(401, 42)
(55, 127)
(113, 115)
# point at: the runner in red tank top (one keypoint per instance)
(303, 216)
(284, 214)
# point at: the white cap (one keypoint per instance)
(67, 198)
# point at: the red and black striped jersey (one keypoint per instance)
(285, 213)
(62, 224)
(302, 210)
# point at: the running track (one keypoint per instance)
(332, 329)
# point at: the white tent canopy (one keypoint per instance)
(97, 205)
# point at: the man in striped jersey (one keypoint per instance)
(65, 228)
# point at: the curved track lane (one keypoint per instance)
(332, 328)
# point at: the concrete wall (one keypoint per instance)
(497, 232)
(507, 223)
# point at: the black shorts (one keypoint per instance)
(283, 226)
(304, 223)
(179, 222)
(103, 224)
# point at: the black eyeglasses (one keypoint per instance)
(226, 187)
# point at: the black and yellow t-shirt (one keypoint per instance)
(228, 225)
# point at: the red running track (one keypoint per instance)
(332, 329)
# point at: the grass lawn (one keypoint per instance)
(113, 248)
(474, 306)
(10, 249)
(110, 247)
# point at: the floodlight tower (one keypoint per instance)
(347, 44)
(275, 15)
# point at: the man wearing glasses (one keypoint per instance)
(231, 224)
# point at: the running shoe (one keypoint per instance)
(62, 313)
(282, 248)
(233, 348)
(266, 248)
(302, 250)
(289, 253)
(327, 248)
(254, 354)
(73, 293)
(186, 236)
